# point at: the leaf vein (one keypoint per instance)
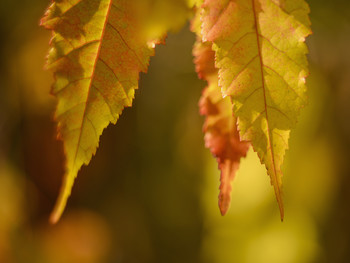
(287, 84)
(115, 75)
(281, 51)
(284, 142)
(242, 70)
(104, 99)
(234, 44)
(75, 49)
(278, 110)
(93, 72)
(126, 44)
(257, 117)
(68, 84)
(274, 175)
(251, 94)
(70, 109)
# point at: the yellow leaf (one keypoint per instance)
(260, 53)
(97, 52)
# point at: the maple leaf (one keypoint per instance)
(221, 134)
(261, 56)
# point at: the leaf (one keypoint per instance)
(98, 50)
(99, 47)
(92, 87)
(165, 15)
(221, 134)
(260, 53)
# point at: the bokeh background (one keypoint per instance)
(150, 193)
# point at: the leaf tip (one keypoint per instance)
(58, 209)
(54, 217)
(61, 202)
(224, 204)
(280, 204)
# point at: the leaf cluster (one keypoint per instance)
(252, 54)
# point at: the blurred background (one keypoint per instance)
(150, 193)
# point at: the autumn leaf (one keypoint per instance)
(162, 16)
(98, 50)
(221, 134)
(97, 54)
(260, 53)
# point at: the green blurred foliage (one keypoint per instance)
(150, 193)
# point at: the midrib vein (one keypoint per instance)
(90, 84)
(278, 192)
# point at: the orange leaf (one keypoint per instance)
(221, 134)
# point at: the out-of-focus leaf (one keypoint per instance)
(164, 16)
(260, 53)
(221, 135)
